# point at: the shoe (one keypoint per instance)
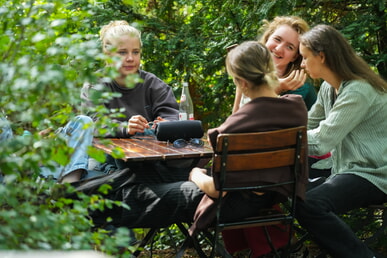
(116, 180)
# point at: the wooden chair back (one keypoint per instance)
(261, 161)
(246, 159)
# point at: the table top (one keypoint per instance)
(148, 148)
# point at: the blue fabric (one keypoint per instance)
(76, 136)
(147, 132)
(5, 129)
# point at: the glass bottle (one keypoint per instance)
(186, 109)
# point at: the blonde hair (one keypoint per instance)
(252, 61)
(114, 30)
(296, 23)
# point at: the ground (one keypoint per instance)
(191, 253)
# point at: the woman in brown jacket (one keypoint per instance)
(251, 67)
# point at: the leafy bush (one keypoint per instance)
(48, 49)
(37, 215)
(45, 59)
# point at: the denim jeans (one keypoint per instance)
(76, 137)
(318, 213)
(5, 129)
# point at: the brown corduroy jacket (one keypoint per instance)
(259, 115)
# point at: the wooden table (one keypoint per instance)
(148, 148)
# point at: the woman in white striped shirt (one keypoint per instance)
(348, 120)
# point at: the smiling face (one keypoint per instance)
(129, 50)
(283, 45)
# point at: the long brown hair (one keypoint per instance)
(340, 56)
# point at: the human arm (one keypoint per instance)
(350, 108)
(159, 104)
(95, 104)
(317, 111)
(204, 182)
(149, 101)
(199, 176)
(160, 99)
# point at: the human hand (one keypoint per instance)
(294, 81)
(196, 173)
(157, 120)
(136, 124)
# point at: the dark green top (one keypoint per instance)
(308, 93)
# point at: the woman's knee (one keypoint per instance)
(84, 119)
(314, 204)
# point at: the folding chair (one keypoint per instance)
(244, 161)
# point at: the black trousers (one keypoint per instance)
(159, 205)
(318, 213)
(157, 193)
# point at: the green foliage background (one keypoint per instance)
(185, 40)
(48, 49)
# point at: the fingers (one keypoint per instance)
(137, 124)
(157, 120)
(295, 80)
(299, 78)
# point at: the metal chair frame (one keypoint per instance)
(255, 153)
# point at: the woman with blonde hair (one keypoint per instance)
(150, 100)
